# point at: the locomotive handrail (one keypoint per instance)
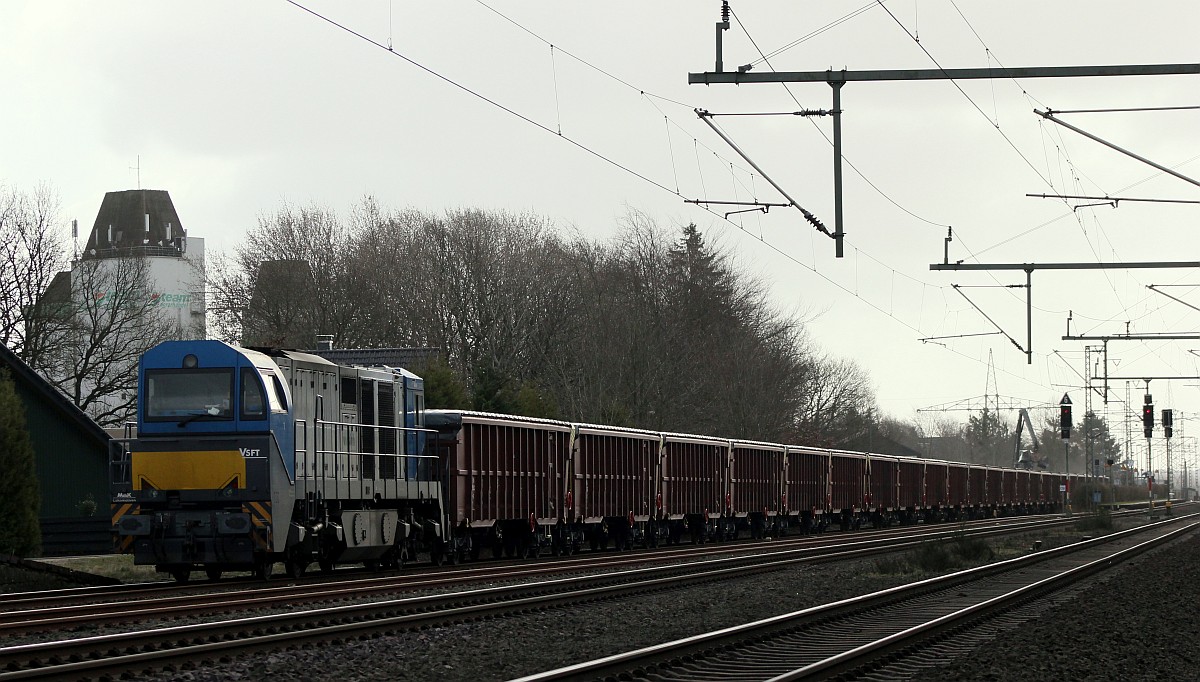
(119, 470)
(377, 426)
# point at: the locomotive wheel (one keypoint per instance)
(213, 573)
(326, 565)
(181, 575)
(262, 570)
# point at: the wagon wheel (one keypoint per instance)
(326, 565)
(181, 575)
(295, 567)
(213, 573)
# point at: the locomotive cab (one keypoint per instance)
(195, 488)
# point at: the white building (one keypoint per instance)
(142, 223)
(138, 280)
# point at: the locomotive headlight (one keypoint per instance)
(190, 361)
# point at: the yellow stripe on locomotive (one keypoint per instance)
(188, 470)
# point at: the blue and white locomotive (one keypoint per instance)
(244, 458)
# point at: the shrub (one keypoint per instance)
(20, 532)
(973, 550)
(1100, 521)
(891, 565)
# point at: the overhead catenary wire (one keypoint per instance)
(478, 95)
(765, 58)
(805, 212)
(1107, 276)
(612, 162)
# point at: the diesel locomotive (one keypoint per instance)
(245, 458)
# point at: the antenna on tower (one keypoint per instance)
(138, 168)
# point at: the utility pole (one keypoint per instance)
(836, 80)
(1148, 430)
(1064, 425)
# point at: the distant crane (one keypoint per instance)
(1027, 459)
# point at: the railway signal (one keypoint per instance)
(1148, 416)
(1167, 422)
(1064, 417)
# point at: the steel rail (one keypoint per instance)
(40, 616)
(156, 647)
(633, 664)
(863, 655)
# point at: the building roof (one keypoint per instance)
(26, 377)
(407, 358)
(136, 221)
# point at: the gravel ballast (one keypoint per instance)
(1136, 623)
(1127, 626)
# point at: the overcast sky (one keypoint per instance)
(236, 107)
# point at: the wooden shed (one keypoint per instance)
(71, 453)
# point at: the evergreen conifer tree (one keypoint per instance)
(20, 532)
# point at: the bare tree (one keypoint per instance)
(32, 252)
(307, 289)
(109, 319)
(838, 403)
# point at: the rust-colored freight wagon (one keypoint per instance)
(506, 477)
(995, 489)
(1025, 487)
(1008, 495)
(883, 488)
(912, 488)
(1054, 489)
(848, 486)
(695, 472)
(614, 487)
(937, 483)
(977, 488)
(957, 494)
(756, 484)
(806, 491)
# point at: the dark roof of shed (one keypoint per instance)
(407, 358)
(24, 375)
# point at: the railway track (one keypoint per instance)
(888, 635)
(67, 609)
(154, 648)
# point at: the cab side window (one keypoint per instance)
(254, 400)
(280, 404)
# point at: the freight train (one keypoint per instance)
(524, 486)
(245, 458)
